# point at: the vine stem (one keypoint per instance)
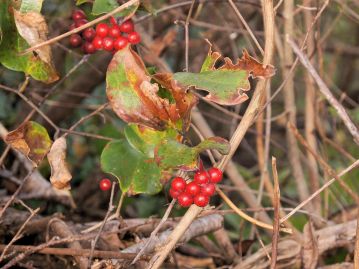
(252, 110)
(79, 29)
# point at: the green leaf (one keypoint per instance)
(80, 2)
(224, 86)
(32, 140)
(13, 44)
(105, 6)
(145, 139)
(31, 5)
(173, 154)
(135, 172)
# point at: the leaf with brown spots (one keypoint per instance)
(60, 174)
(32, 140)
(226, 84)
(135, 99)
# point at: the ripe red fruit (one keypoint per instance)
(201, 200)
(78, 14)
(215, 175)
(102, 30)
(89, 48)
(89, 34)
(193, 189)
(127, 26)
(178, 184)
(107, 43)
(208, 189)
(185, 199)
(174, 194)
(120, 43)
(113, 20)
(134, 38)
(75, 40)
(80, 22)
(105, 184)
(97, 42)
(114, 31)
(201, 177)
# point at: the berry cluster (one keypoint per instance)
(199, 190)
(110, 37)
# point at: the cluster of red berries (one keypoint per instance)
(199, 190)
(107, 37)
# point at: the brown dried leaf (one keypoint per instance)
(31, 139)
(162, 42)
(60, 174)
(33, 28)
(310, 247)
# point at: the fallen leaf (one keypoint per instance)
(135, 99)
(60, 174)
(31, 139)
(227, 84)
(162, 42)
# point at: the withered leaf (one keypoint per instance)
(135, 99)
(31, 139)
(310, 247)
(60, 174)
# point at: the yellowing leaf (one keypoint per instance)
(135, 99)
(31, 139)
(60, 174)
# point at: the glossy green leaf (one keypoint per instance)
(173, 154)
(13, 45)
(136, 173)
(105, 6)
(31, 139)
(31, 5)
(145, 139)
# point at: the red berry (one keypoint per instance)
(102, 29)
(75, 40)
(78, 14)
(193, 189)
(113, 20)
(215, 175)
(97, 42)
(89, 34)
(114, 31)
(201, 177)
(184, 199)
(208, 189)
(89, 48)
(178, 184)
(72, 26)
(201, 200)
(80, 22)
(105, 184)
(134, 38)
(174, 194)
(120, 43)
(107, 43)
(127, 26)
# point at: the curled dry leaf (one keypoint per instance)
(135, 99)
(60, 174)
(31, 139)
(33, 28)
(227, 84)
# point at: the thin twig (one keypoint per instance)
(326, 185)
(110, 209)
(186, 30)
(276, 205)
(326, 91)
